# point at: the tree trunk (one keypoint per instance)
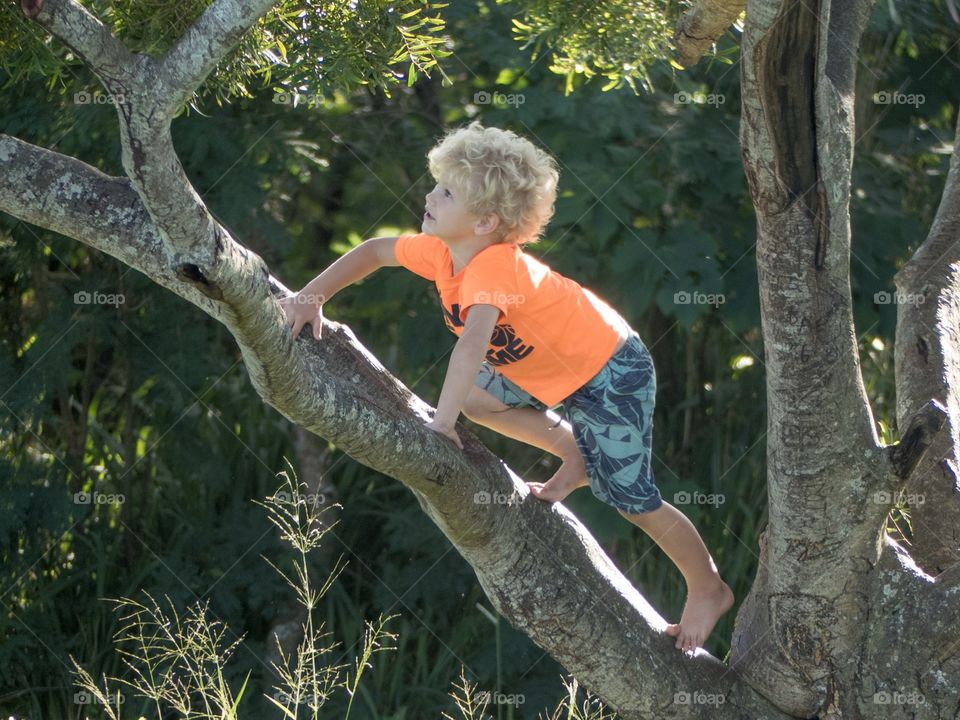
(927, 357)
(814, 633)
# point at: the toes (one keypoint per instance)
(686, 642)
(538, 490)
(689, 643)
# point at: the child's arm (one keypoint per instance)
(462, 369)
(305, 307)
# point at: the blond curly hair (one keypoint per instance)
(501, 173)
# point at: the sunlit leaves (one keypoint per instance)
(612, 39)
(313, 47)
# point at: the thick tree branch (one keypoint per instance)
(147, 149)
(211, 37)
(927, 358)
(912, 648)
(87, 37)
(69, 197)
(540, 567)
(146, 95)
(702, 25)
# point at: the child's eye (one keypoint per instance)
(447, 193)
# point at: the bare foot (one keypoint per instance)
(571, 475)
(700, 614)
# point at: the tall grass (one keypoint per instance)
(576, 705)
(177, 661)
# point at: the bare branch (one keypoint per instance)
(146, 94)
(87, 37)
(67, 196)
(147, 149)
(702, 25)
(208, 40)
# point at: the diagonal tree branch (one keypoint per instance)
(206, 43)
(87, 37)
(702, 25)
(538, 565)
(146, 97)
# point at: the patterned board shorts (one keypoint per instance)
(612, 420)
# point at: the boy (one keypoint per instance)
(530, 339)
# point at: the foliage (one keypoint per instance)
(178, 663)
(472, 705)
(616, 39)
(312, 48)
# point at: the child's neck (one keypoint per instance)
(463, 251)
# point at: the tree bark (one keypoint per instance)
(809, 635)
(927, 359)
(702, 25)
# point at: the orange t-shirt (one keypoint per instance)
(552, 335)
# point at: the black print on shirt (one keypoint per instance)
(452, 318)
(507, 347)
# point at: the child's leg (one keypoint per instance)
(533, 427)
(612, 418)
(708, 596)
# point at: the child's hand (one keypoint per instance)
(446, 431)
(303, 310)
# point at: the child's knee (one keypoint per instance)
(643, 518)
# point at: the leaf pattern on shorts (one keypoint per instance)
(612, 417)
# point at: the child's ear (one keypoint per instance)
(487, 224)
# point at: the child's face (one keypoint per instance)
(447, 216)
